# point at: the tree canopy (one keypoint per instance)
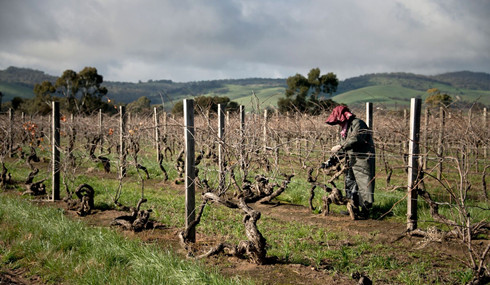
(41, 103)
(67, 85)
(437, 99)
(207, 104)
(89, 82)
(307, 94)
(81, 93)
(141, 105)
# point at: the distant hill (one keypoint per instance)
(396, 89)
(459, 80)
(170, 92)
(387, 89)
(24, 75)
(466, 80)
(19, 82)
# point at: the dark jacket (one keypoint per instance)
(358, 145)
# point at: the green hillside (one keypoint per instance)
(266, 96)
(466, 79)
(393, 96)
(388, 96)
(11, 90)
(388, 89)
(407, 80)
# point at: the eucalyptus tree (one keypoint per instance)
(67, 85)
(89, 84)
(41, 103)
(307, 94)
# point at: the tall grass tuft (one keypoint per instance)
(60, 250)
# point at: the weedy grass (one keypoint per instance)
(289, 242)
(44, 241)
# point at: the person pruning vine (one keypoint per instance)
(356, 144)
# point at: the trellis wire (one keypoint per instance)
(300, 135)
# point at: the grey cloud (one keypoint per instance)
(200, 40)
(20, 21)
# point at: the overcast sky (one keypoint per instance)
(185, 40)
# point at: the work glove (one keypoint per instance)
(336, 148)
(332, 161)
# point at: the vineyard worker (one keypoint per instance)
(356, 143)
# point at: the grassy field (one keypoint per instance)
(243, 95)
(386, 97)
(303, 245)
(64, 251)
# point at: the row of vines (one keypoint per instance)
(255, 161)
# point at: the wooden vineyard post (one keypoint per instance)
(485, 127)
(221, 140)
(242, 137)
(370, 125)
(469, 150)
(72, 139)
(157, 132)
(288, 137)
(190, 199)
(413, 160)
(440, 147)
(10, 138)
(55, 143)
(298, 138)
(265, 130)
(208, 116)
(165, 124)
(122, 144)
(100, 128)
(369, 115)
(276, 147)
(404, 145)
(426, 131)
(72, 129)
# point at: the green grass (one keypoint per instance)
(47, 244)
(384, 96)
(42, 236)
(291, 242)
(243, 94)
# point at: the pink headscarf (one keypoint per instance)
(340, 115)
